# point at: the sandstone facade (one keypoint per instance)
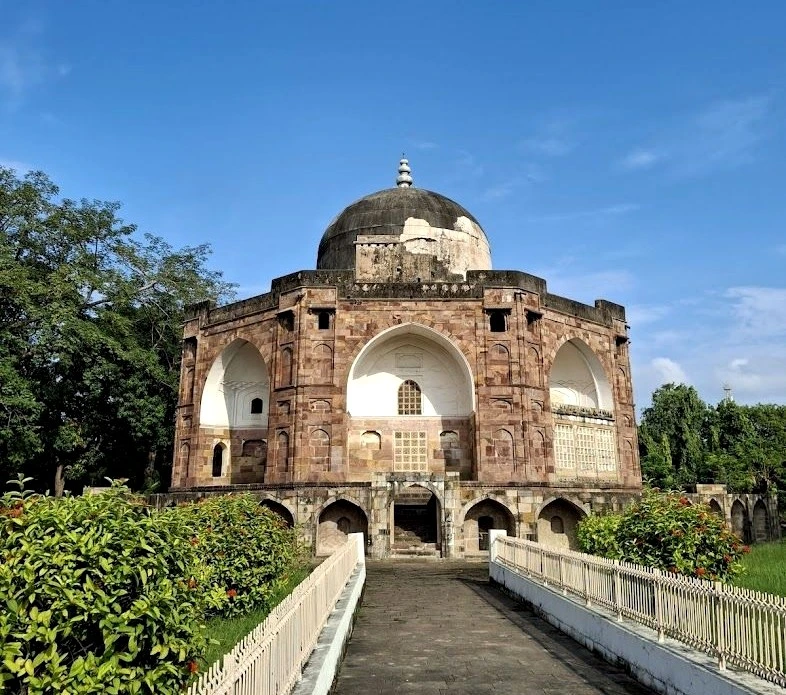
(413, 396)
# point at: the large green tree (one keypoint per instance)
(671, 435)
(684, 441)
(91, 317)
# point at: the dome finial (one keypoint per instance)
(404, 178)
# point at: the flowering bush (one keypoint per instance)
(598, 535)
(665, 530)
(99, 596)
(246, 549)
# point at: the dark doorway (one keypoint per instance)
(485, 524)
(416, 522)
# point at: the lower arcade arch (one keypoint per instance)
(716, 508)
(336, 521)
(740, 523)
(280, 510)
(481, 518)
(557, 524)
(761, 523)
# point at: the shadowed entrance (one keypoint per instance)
(416, 522)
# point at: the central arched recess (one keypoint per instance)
(417, 527)
(414, 388)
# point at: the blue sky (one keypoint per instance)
(637, 155)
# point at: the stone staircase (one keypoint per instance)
(412, 540)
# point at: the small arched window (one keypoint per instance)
(557, 524)
(256, 406)
(409, 399)
(218, 460)
(323, 320)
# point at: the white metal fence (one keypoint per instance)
(270, 659)
(743, 628)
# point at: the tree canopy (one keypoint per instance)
(684, 441)
(91, 317)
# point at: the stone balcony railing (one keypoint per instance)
(582, 411)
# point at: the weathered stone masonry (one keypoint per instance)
(407, 390)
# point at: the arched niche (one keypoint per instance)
(480, 519)
(280, 510)
(410, 352)
(557, 524)
(716, 508)
(219, 460)
(577, 378)
(761, 522)
(238, 379)
(336, 521)
(739, 520)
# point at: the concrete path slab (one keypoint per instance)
(438, 627)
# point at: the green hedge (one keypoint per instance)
(247, 550)
(98, 597)
(102, 594)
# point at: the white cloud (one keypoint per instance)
(423, 144)
(722, 135)
(24, 64)
(502, 189)
(641, 159)
(607, 211)
(735, 337)
(640, 314)
(670, 372)
(548, 146)
(760, 311)
(587, 287)
(19, 167)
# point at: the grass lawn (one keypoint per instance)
(765, 568)
(229, 631)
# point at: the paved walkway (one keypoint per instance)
(438, 627)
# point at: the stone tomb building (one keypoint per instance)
(407, 390)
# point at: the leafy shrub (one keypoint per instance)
(100, 597)
(598, 535)
(666, 531)
(247, 550)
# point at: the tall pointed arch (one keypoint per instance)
(410, 352)
(237, 380)
(577, 378)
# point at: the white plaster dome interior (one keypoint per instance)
(410, 353)
(236, 389)
(577, 378)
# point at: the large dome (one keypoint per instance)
(424, 221)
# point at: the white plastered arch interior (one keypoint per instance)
(577, 378)
(236, 378)
(410, 352)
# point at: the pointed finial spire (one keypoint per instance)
(404, 178)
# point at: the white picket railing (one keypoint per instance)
(270, 659)
(743, 628)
